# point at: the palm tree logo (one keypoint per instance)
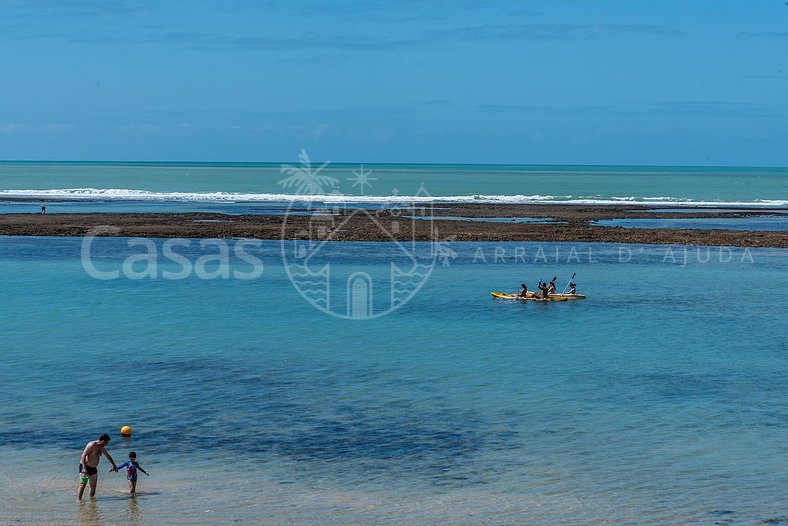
(305, 179)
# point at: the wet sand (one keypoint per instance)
(350, 224)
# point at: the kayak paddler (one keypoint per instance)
(523, 291)
(543, 288)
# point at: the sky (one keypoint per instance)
(674, 82)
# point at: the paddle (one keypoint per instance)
(567, 285)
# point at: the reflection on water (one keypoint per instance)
(89, 514)
(133, 515)
(117, 509)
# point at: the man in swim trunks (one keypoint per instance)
(88, 464)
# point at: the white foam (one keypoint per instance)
(122, 194)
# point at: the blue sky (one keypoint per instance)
(561, 82)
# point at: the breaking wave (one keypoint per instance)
(122, 194)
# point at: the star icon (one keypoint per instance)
(362, 178)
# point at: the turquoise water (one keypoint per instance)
(124, 206)
(693, 210)
(772, 223)
(660, 399)
(498, 183)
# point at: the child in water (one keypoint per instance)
(131, 471)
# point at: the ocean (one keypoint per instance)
(248, 182)
(379, 383)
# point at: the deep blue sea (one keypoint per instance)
(379, 383)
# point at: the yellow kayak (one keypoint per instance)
(505, 296)
(568, 296)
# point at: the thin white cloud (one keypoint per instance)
(373, 42)
(775, 34)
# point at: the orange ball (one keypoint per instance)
(125, 431)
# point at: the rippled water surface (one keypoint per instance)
(660, 399)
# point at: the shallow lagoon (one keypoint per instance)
(658, 400)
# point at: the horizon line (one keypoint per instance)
(385, 163)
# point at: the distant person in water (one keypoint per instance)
(43, 208)
(523, 291)
(543, 288)
(132, 467)
(572, 288)
(88, 464)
